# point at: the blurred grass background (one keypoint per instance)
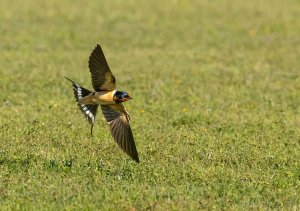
(215, 113)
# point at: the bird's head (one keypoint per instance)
(120, 97)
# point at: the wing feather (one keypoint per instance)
(102, 77)
(116, 117)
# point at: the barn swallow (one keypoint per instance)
(110, 100)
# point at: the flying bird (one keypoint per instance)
(110, 100)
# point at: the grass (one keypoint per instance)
(215, 114)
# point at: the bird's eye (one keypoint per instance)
(124, 95)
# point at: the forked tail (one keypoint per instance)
(89, 111)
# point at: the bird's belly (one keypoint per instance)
(105, 97)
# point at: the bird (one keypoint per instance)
(109, 99)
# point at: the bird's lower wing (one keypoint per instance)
(118, 120)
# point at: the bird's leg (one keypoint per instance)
(92, 125)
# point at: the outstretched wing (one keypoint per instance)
(102, 77)
(118, 120)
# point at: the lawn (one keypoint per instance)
(215, 114)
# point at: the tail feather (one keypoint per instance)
(79, 91)
(89, 111)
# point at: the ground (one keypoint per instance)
(215, 114)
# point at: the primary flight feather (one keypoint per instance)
(110, 100)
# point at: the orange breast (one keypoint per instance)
(105, 97)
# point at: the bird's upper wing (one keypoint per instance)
(118, 120)
(102, 77)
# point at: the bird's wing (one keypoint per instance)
(102, 77)
(118, 120)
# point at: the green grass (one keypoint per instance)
(215, 114)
